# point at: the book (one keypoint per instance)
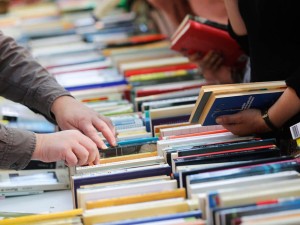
(227, 104)
(138, 210)
(225, 215)
(34, 180)
(188, 214)
(136, 198)
(257, 166)
(207, 91)
(90, 194)
(208, 36)
(117, 175)
(127, 157)
(122, 164)
(244, 154)
(42, 217)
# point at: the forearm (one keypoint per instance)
(287, 106)
(16, 147)
(24, 80)
(235, 17)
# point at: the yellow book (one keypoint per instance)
(177, 193)
(133, 211)
(41, 217)
(127, 157)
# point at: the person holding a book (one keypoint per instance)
(268, 30)
(212, 63)
(24, 80)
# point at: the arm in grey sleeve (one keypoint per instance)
(16, 147)
(24, 80)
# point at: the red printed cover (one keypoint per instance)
(199, 37)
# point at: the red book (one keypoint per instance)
(196, 34)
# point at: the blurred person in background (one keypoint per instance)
(210, 64)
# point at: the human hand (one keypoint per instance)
(212, 67)
(246, 122)
(71, 114)
(71, 146)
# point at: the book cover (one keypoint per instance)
(281, 163)
(229, 156)
(233, 103)
(189, 214)
(114, 191)
(206, 37)
(209, 90)
(226, 214)
(117, 175)
(137, 198)
(225, 146)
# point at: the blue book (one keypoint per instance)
(226, 104)
(190, 214)
(245, 171)
(181, 177)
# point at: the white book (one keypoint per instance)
(80, 67)
(171, 111)
(84, 195)
(196, 188)
(130, 181)
(190, 129)
(62, 49)
(81, 78)
(287, 217)
(122, 164)
(34, 180)
(51, 41)
(70, 59)
(259, 192)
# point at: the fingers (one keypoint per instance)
(70, 159)
(211, 61)
(228, 119)
(85, 150)
(109, 124)
(107, 129)
(90, 131)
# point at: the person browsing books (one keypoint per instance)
(267, 28)
(24, 80)
(211, 64)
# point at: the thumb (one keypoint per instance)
(228, 119)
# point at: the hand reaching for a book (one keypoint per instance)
(212, 68)
(70, 146)
(246, 122)
(71, 114)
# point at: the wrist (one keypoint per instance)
(37, 151)
(59, 103)
(268, 121)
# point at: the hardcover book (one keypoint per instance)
(233, 103)
(199, 35)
